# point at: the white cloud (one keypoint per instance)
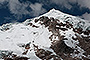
(84, 3)
(16, 7)
(86, 16)
(19, 9)
(65, 3)
(62, 3)
(1, 1)
(37, 9)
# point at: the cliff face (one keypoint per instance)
(67, 41)
(52, 36)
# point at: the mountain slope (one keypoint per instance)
(54, 35)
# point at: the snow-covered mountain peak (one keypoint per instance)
(75, 21)
(51, 36)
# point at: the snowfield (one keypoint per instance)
(14, 38)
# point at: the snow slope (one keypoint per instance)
(13, 36)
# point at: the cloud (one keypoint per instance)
(86, 16)
(37, 9)
(19, 9)
(66, 3)
(16, 7)
(62, 3)
(85, 3)
(1, 1)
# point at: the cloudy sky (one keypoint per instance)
(19, 10)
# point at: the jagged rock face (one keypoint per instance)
(46, 55)
(16, 58)
(46, 38)
(59, 46)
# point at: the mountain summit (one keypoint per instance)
(51, 36)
